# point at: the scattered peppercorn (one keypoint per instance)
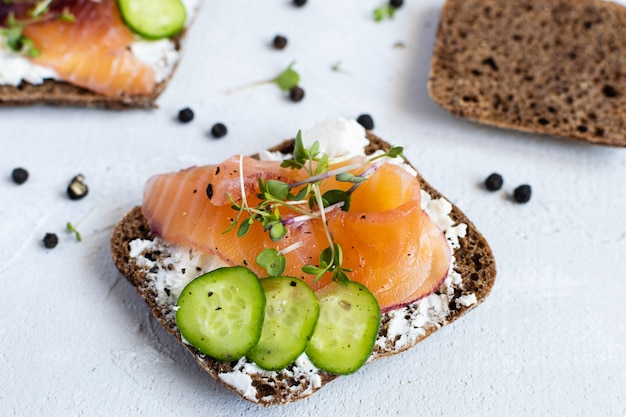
(219, 130)
(77, 188)
(366, 121)
(19, 175)
(296, 94)
(396, 3)
(494, 182)
(280, 42)
(50, 240)
(522, 193)
(185, 115)
(299, 3)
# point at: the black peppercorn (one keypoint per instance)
(19, 175)
(185, 115)
(280, 42)
(50, 240)
(219, 130)
(522, 193)
(366, 121)
(299, 2)
(77, 188)
(396, 3)
(296, 94)
(494, 182)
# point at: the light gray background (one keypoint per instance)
(75, 339)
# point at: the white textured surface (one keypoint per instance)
(77, 340)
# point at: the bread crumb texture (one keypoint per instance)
(552, 66)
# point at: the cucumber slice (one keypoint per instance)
(291, 312)
(346, 329)
(153, 19)
(221, 312)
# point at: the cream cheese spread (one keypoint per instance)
(401, 328)
(161, 55)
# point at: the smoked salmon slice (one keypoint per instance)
(389, 243)
(92, 51)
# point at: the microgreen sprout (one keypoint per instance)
(305, 199)
(16, 41)
(274, 261)
(13, 28)
(67, 16)
(40, 8)
(285, 80)
(338, 68)
(72, 229)
(384, 12)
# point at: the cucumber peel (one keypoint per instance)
(221, 312)
(153, 19)
(291, 312)
(347, 328)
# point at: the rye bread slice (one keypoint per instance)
(64, 94)
(474, 263)
(553, 67)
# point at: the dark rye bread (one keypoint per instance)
(545, 66)
(60, 93)
(474, 262)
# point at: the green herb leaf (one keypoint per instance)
(395, 151)
(340, 275)
(337, 196)
(70, 228)
(310, 269)
(15, 38)
(379, 14)
(273, 262)
(349, 177)
(304, 191)
(288, 78)
(384, 12)
(322, 164)
(67, 16)
(244, 227)
(277, 231)
(40, 8)
(277, 189)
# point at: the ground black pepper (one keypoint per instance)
(299, 3)
(296, 94)
(185, 115)
(366, 121)
(77, 188)
(50, 240)
(280, 42)
(522, 193)
(209, 191)
(494, 182)
(219, 130)
(396, 3)
(19, 175)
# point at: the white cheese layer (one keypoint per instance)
(161, 55)
(404, 326)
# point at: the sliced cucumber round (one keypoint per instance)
(221, 312)
(291, 311)
(154, 19)
(346, 329)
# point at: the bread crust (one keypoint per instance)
(474, 262)
(542, 66)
